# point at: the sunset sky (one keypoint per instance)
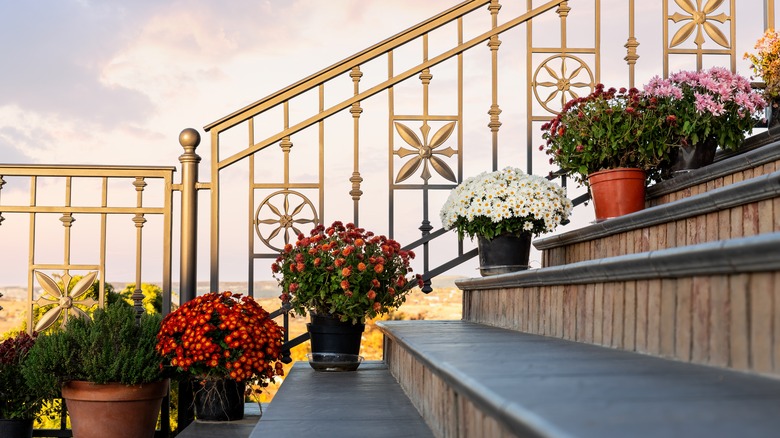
(115, 81)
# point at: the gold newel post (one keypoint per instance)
(189, 140)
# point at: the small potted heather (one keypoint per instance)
(106, 369)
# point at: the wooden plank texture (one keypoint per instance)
(720, 318)
(682, 348)
(642, 311)
(700, 324)
(761, 297)
(739, 324)
(668, 317)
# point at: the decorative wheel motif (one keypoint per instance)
(63, 299)
(425, 152)
(284, 219)
(700, 19)
(553, 72)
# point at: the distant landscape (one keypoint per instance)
(443, 303)
(262, 289)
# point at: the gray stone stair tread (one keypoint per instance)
(542, 386)
(366, 402)
(224, 429)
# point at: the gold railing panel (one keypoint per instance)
(695, 21)
(430, 149)
(430, 145)
(60, 299)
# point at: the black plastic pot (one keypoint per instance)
(16, 428)
(219, 400)
(329, 335)
(503, 254)
(686, 158)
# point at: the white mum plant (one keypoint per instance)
(506, 201)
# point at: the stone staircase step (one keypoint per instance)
(741, 209)
(473, 380)
(713, 303)
(225, 429)
(367, 402)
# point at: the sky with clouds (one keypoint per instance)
(114, 82)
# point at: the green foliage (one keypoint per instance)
(108, 348)
(18, 401)
(344, 271)
(152, 301)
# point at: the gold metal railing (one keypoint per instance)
(464, 92)
(60, 299)
(429, 150)
(120, 193)
(285, 196)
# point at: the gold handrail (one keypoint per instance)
(295, 90)
(346, 65)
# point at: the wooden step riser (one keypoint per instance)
(741, 221)
(719, 181)
(742, 209)
(447, 413)
(730, 321)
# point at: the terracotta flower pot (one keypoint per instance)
(114, 409)
(617, 192)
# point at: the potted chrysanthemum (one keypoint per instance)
(766, 65)
(611, 140)
(503, 210)
(341, 275)
(708, 109)
(221, 341)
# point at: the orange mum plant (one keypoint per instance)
(346, 272)
(220, 336)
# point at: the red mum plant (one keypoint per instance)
(220, 336)
(608, 129)
(18, 400)
(346, 272)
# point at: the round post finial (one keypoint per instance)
(189, 138)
